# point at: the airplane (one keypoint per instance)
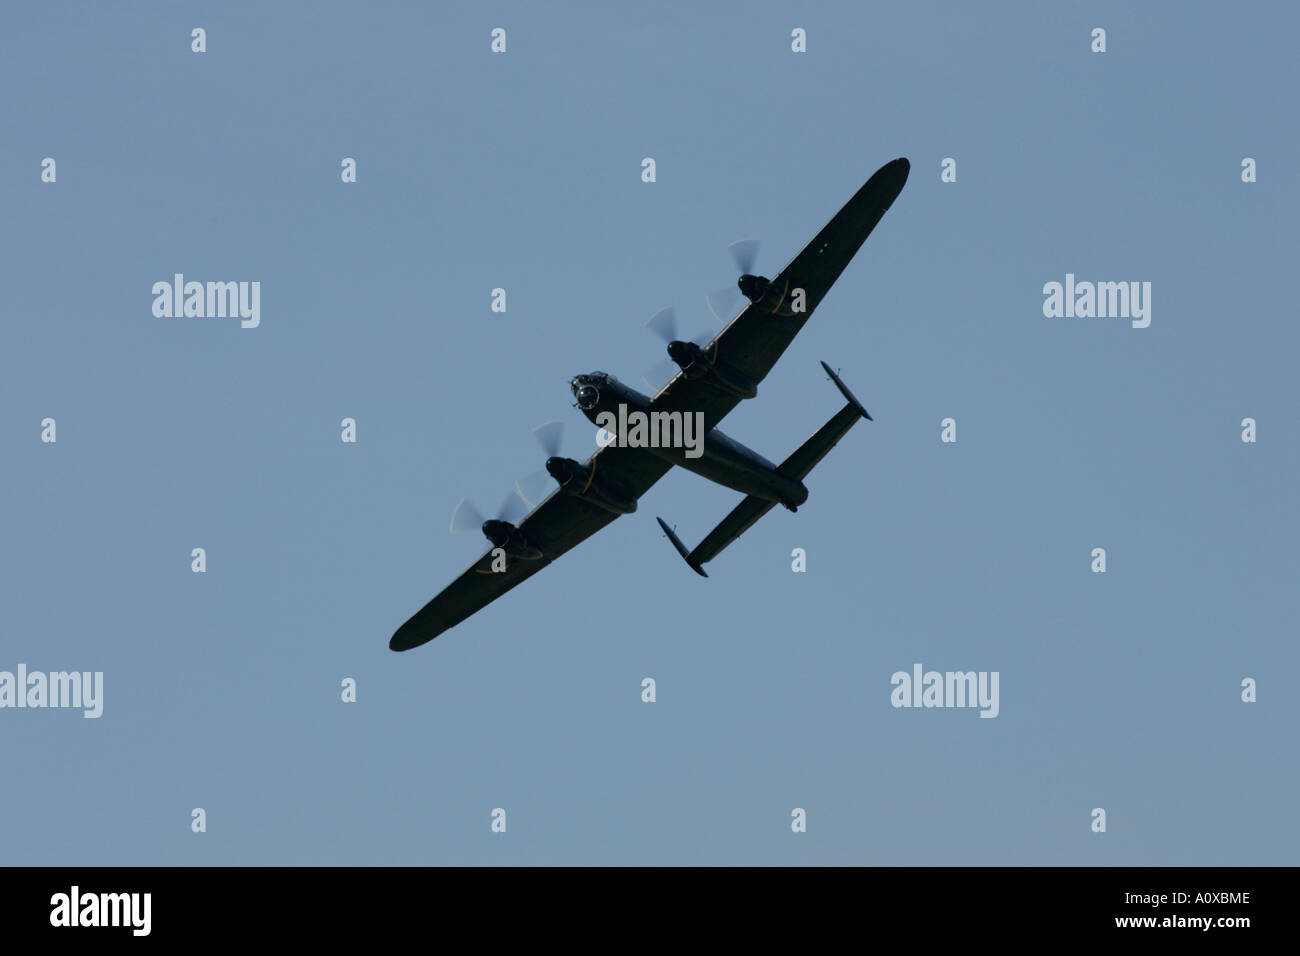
(712, 380)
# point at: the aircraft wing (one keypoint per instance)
(559, 523)
(754, 340)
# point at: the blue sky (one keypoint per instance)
(522, 171)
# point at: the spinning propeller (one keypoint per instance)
(744, 252)
(533, 487)
(663, 324)
(467, 517)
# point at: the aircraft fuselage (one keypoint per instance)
(706, 451)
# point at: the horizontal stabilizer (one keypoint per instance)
(742, 517)
(737, 522)
(814, 449)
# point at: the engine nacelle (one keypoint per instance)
(582, 482)
(698, 363)
(770, 297)
(510, 539)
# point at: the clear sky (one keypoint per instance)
(522, 170)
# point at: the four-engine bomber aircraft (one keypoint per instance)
(712, 380)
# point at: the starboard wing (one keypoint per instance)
(556, 525)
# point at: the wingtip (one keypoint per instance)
(409, 638)
(890, 179)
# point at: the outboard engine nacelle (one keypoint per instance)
(510, 539)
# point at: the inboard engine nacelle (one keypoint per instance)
(701, 363)
(582, 482)
(774, 298)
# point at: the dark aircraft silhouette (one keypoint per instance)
(712, 379)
